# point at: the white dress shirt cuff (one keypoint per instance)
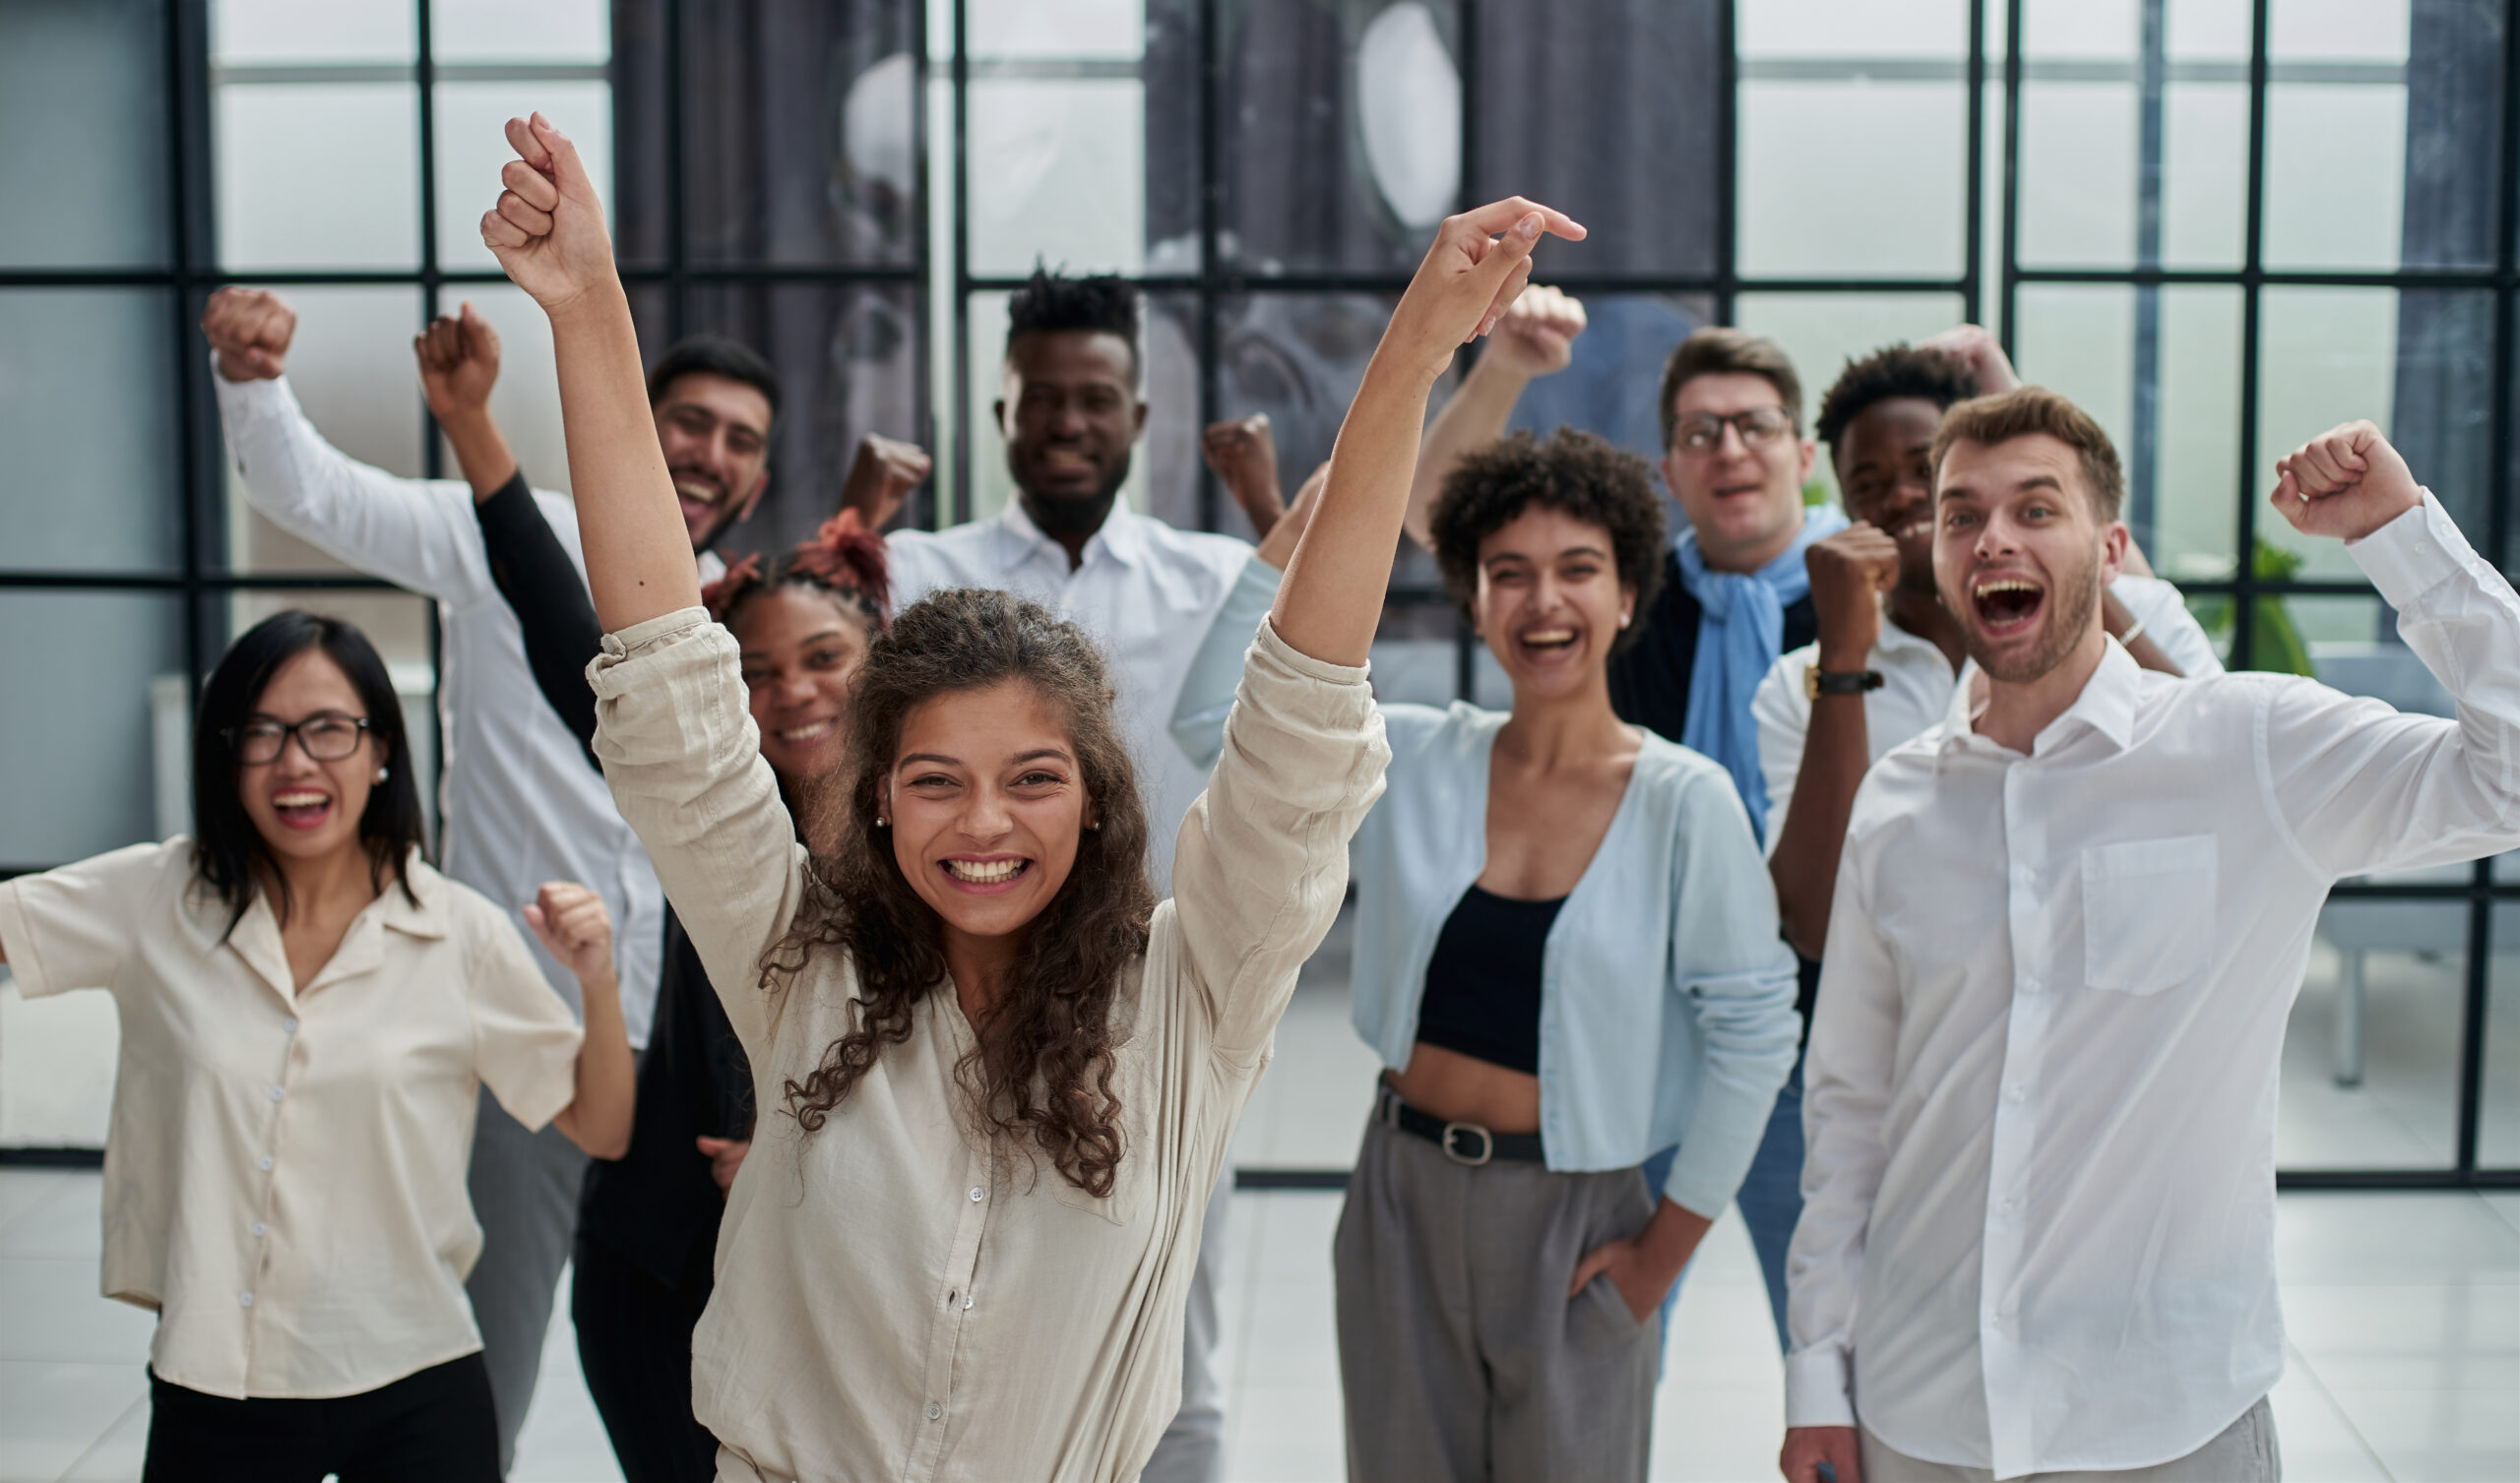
(2411, 554)
(1819, 1390)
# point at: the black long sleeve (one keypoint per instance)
(534, 575)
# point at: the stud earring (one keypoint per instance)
(1622, 620)
(1097, 826)
(883, 823)
(384, 773)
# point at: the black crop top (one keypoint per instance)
(1483, 985)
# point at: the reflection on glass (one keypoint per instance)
(2417, 363)
(498, 30)
(2165, 385)
(83, 135)
(2317, 134)
(473, 147)
(351, 370)
(847, 357)
(87, 432)
(1057, 175)
(356, 138)
(296, 32)
(2370, 1053)
(88, 681)
(1823, 331)
(1861, 178)
(2125, 160)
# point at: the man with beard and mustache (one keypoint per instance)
(522, 805)
(2070, 926)
(1070, 411)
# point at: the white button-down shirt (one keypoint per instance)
(522, 806)
(2039, 1198)
(285, 1177)
(1145, 591)
(1917, 682)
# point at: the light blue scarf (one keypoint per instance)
(1739, 636)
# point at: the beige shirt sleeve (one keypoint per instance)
(73, 928)
(1262, 854)
(676, 736)
(524, 1041)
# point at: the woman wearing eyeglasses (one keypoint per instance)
(309, 1010)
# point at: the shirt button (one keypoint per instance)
(259, 1227)
(289, 1025)
(277, 1094)
(2007, 1206)
(2029, 984)
(2015, 1092)
(244, 1300)
(967, 1304)
(265, 1161)
(976, 1194)
(934, 1410)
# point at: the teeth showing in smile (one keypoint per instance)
(1912, 530)
(984, 872)
(810, 731)
(300, 800)
(1547, 637)
(2005, 584)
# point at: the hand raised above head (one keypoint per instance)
(250, 328)
(459, 355)
(547, 228)
(882, 477)
(2344, 483)
(1470, 277)
(1538, 333)
(1244, 455)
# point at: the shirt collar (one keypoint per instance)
(2106, 705)
(1120, 537)
(396, 907)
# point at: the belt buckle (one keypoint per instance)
(1486, 1143)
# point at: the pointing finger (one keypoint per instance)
(1497, 215)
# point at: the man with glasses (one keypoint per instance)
(1735, 595)
(522, 806)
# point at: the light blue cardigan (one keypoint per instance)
(1666, 1005)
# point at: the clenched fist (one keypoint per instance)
(2344, 483)
(881, 477)
(250, 328)
(574, 928)
(459, 357)
(548, 229)
(1245, 459)
(1976, 346)
(1537, 335)
(1849, 570)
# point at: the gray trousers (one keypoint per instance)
(2244, 1452)
(1192, 1449)
(1460, 1355)
(524, 1193)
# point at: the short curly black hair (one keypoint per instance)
(1900, 370)
(1052, 301)
(1576, 472)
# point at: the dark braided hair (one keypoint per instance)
(843, 560)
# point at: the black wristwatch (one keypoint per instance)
(1815, 684)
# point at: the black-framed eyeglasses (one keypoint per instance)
(325, 737)
(1700, 432)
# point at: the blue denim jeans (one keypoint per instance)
(1771, 1198)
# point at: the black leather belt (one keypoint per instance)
(1462, 1143)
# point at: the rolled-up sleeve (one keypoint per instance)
(1262, 855)
(677, 744)
(1735, 976)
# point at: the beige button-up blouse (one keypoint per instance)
(284, 1168)
(894, 1301)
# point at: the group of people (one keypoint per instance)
(907, 918)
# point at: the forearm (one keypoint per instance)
(599, 1118)
(1474, 417)
(1671, 1239)
(2118, 618)
(1331, 600)
(637, 552)
(1837, 751)
(480, 451)
(533, 573)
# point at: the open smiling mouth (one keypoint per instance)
(2007, 603)
(986, 875)
(301, 808)
(810, 731)
(1547, 641)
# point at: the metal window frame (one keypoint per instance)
(1978, 283)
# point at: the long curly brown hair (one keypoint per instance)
(1043, 1065)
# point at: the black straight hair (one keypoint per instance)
(715, 355)
(227, 847)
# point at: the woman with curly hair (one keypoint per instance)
(1567, 958)
(646, 1232)
(997, 1078)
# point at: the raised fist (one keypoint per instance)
(574, 928)
(1245, 460)
(1849, 570)
(1976, 346)
(881, 477)
(250, 328)
(2344, 483)
(1471, 276)
(1537, 335)
(459, 357)
(547, 228)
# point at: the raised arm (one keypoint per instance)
(547, 231)
(541, 586)
(459, 355)
(1332, 598)
(1535, 338)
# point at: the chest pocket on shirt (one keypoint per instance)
(2148, 913)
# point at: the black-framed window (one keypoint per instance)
(2143, 197)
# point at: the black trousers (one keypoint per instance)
(634, 1343)
(436, 1426)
